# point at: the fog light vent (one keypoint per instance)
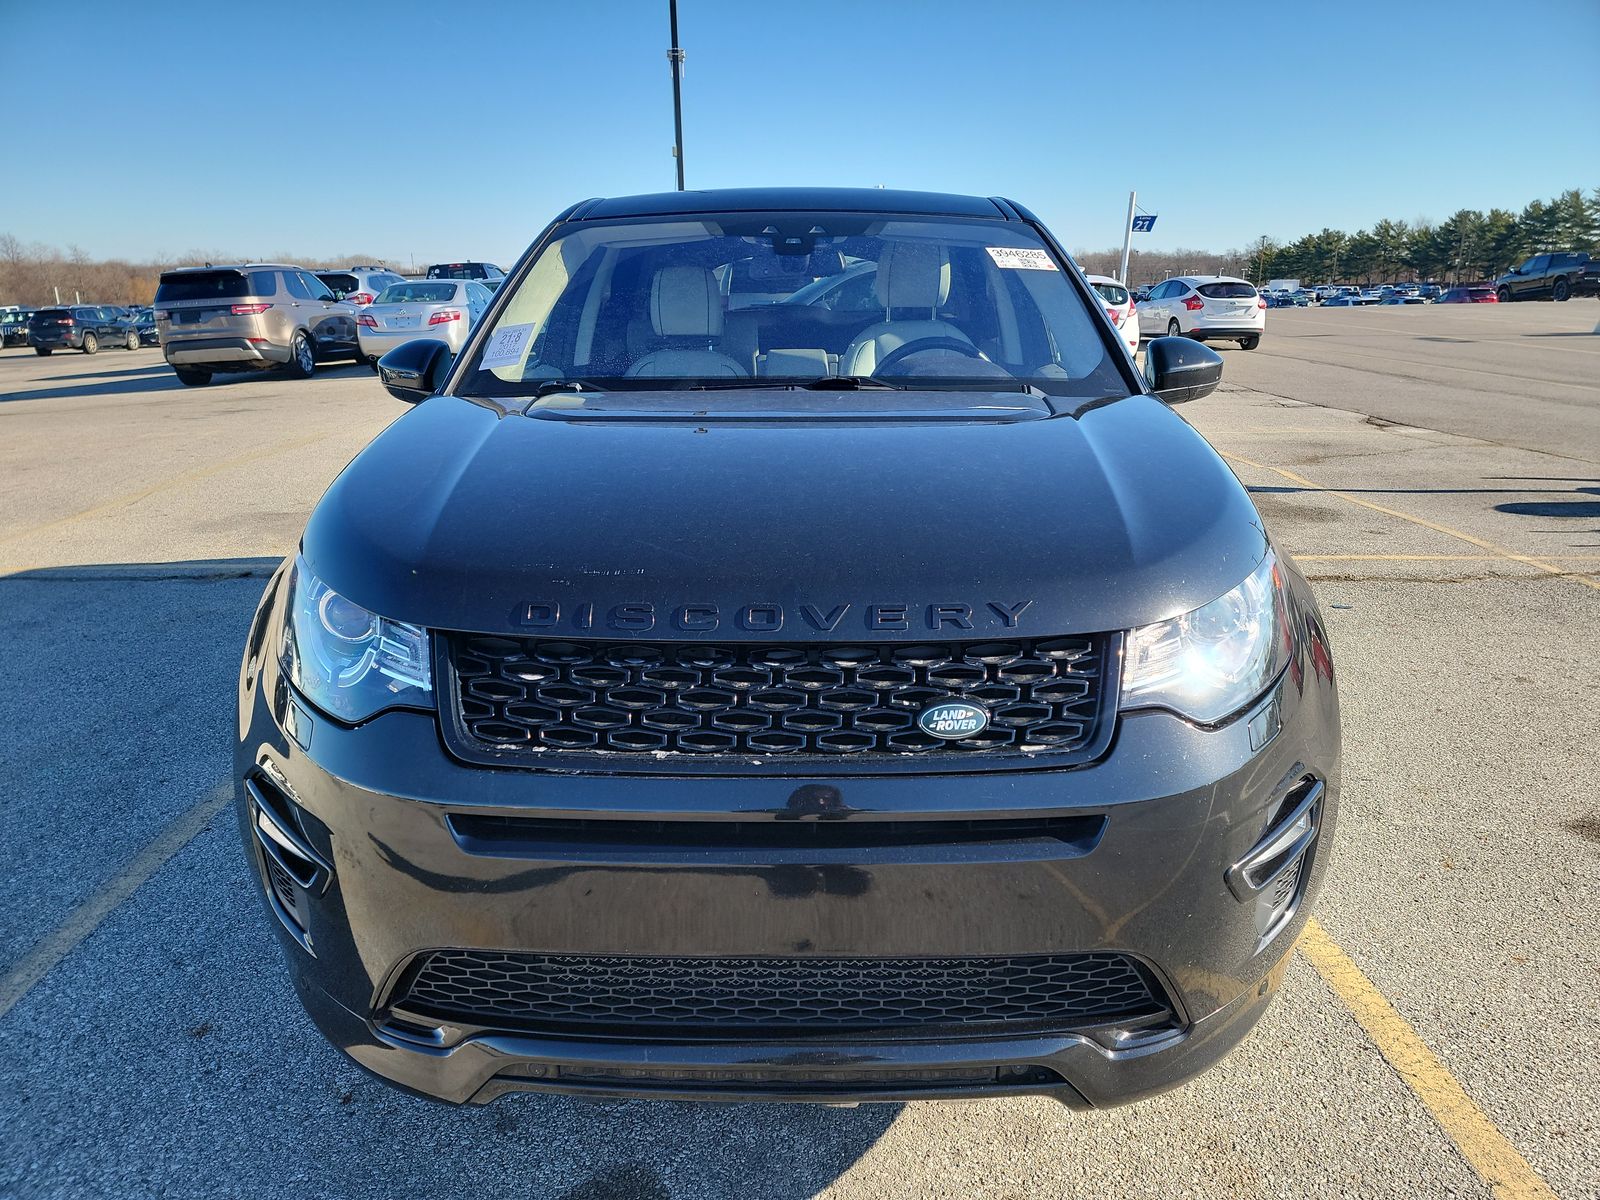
(1269, 877)
(291, 871)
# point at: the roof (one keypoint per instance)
(237, 267)
(802, 199)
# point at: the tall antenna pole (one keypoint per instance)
(675, 56)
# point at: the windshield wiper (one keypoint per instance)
(551, 386)
(850, 383)
(827, 383)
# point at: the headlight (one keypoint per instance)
(1210, 663)
(350, 663)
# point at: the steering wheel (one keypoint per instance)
(919, 345)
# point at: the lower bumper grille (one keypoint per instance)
(781, 997)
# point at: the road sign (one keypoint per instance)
(1144, 223)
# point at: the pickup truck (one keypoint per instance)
(1559, 275)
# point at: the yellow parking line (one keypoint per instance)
(173, 481)
(1497, 551)
(1497, 1162)
(86, 918)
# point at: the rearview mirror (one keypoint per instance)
(415, 370)
(1179, 369)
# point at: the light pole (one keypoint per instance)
(1127, 238)
(675, 57)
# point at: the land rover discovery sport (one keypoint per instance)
(789, 701)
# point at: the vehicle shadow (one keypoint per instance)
(119, 385)
(1595, 332)
(156, 369)
(161, 379)
(227, 1056)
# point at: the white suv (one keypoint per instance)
(1207, 308)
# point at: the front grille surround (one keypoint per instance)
(687, 997)
(687, 707)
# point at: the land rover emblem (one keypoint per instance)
(953, 719)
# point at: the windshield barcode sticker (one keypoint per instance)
(1020, 258)
(506, 348)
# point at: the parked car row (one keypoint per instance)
(263, 316)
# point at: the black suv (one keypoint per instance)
(691, 700)
(14, 326)
(80, 327)
(1559, 275)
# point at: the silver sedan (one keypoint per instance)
(442, 309)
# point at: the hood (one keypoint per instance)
(681, 525)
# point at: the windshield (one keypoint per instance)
(457, 271)
(417, 293)
(709, 301)
(1111, 293)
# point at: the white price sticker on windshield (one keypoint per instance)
(1020, 258)
(506, 348)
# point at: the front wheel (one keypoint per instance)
(189, 377)
(42, 351)
(302, 362)
(1174, 329)
(1249, 343)
(1561, 291)
(132, 342)
(1504, 295)
(91, 344)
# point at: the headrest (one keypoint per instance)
(684, 302)
(912, 275)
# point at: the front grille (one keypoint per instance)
(781, 996)
(540, 697)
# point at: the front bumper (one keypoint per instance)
(371, 810)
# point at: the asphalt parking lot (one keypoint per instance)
(1435, 470)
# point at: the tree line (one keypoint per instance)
(35, 274)
(1466, 247)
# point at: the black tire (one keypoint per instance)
(91, 344)
(132, 342)
(189, 377)
(1174, 329)
(302, 359)
(1561, 291)
(1504, 295)
(42, 351)
(1249, 343)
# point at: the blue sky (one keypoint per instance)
(455, 129)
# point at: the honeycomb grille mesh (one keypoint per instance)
(787, 995)
(632, 698)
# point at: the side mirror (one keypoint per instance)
(414, 370)
(1179, 369)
